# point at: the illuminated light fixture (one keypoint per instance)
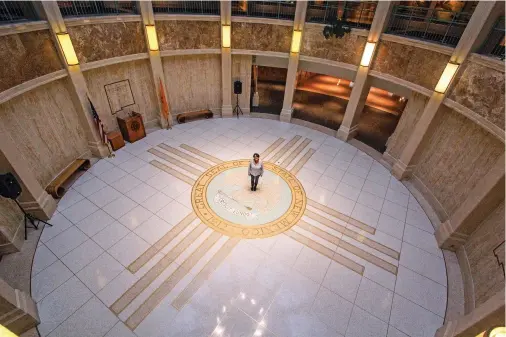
(368, 52)
(225, 36)
(152, 38)
(296, 39)
(497, 332)
(446, 77)
(4, 332)
(67, 49)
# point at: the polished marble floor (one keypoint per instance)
(128, 256)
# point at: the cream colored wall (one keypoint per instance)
(10, 220)
(193, 82)
(241, 70)
(487, 274)
(141, 82)
(410, 116)
(44, 126)
(456, 156)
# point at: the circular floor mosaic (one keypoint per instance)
(223, 200)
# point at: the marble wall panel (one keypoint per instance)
(26, 56)
(174, 35)
(347, 49)
(260, 36)
(241, 70)
(420, 66)
(138, 73)
(410, 116)
(481, 89)
(487, 274)
(193, 82)
(102, 41)
(44, 125)
(455, 157)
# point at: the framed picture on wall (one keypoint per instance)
(119, 95)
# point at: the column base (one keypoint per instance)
(98, 149)
(19, 312)
(42, 208)
(448, 238)
(345, 134)
(286, 115)
(401, 171)
(226, 111)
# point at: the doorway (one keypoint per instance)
(267, 89)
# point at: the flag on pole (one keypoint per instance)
(165, 104)
(98, 124)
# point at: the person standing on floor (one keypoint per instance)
(255, 171)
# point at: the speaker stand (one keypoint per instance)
(237, 108)
(30, 218)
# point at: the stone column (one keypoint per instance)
(226, 62)
(77, 81)
(18, 311)
(486, 316)
(481, 201)
(155, 60)
(361, 87)
(468, 42)
(34, 199)
(293, 64)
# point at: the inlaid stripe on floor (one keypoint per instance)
(176, 162)
(139, 286)
(341, 216)
(284, 149)
(302, 161)
(205, 273)
(352, 265)
(173, 172)
(164, 241)
(201, 154)
(295, 153)
(272, 147)
(185, 156)
(352, 234)
(165, 288)
(368, 257)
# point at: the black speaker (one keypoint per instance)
(237, 87)
(9, 186)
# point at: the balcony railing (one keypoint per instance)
(431, 24)
(494, 45)
(284, 10)
(357, 14)
(17, 11)
(92, 8)
(187, 7)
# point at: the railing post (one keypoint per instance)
(403, 168)
(95, 144)
(226, 61)
(155, 60)
(293, 63)
(349, 126)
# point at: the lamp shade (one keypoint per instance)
(368, 52)
(296, 39)
(67, 49)
(225, 36)
(152, 38)
(4, 332)
(446, 77)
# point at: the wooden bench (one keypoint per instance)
(56, 188)
(192, 115)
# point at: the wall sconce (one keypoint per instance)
(67, 49)
(152, 38)
(225, 36)
(296, 39)
(497, 332)
(368, 52)
(446, 77)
